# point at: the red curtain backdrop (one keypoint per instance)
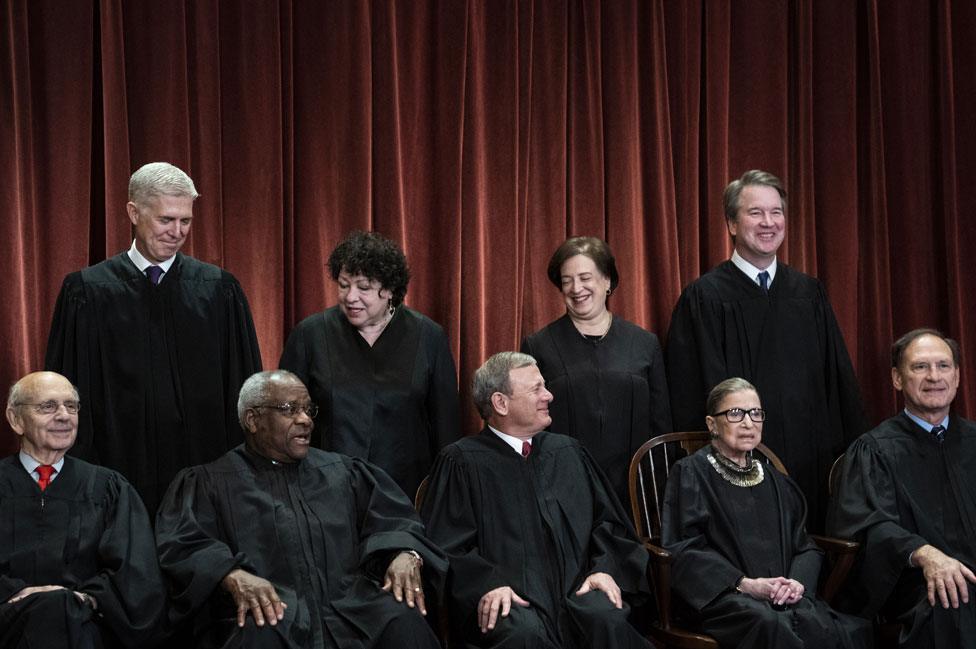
(480, 134)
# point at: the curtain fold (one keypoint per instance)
(481, 134)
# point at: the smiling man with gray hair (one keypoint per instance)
(77, 560)
(542, 554)
(157, 342)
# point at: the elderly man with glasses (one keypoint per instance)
(77, 560)
(277, 544)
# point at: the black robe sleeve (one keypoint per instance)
(699, 572)
(128, 586)
(694, 360)
(866, 510)
(192, 552)
(450, 515)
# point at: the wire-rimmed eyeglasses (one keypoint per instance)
(50, 407)
(291, 409)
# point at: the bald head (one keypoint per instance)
(42, 408)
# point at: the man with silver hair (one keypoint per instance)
(542, 554)
(305, 548)
(77, 559)
(157, 342)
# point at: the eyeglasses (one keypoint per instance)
(291, 409)
(735, 415)
(51, 407)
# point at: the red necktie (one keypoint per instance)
(44, 471)
(526, 448)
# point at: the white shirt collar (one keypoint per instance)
(142, 263)
(514, 442)
(752, 272)
(30, 464)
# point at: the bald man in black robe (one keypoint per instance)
(542, 554)
(907, 493)
(278, 545)
(77, 560)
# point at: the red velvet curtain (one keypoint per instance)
(480, 134)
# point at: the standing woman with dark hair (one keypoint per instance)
(606, 374)
(382, 374)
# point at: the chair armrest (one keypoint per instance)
(834, 545)
(660, 576)
(841, 553)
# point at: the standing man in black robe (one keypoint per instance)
(77, 560)
(542, 554)
(157, 342)
(908, 494)
(277, 544)
(772, 325)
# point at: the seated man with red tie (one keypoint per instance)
(542, 554)
(77, 558)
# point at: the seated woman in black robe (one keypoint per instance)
(743, 560)
(382, 374)
(606, 374)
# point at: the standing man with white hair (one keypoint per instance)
(157, 342)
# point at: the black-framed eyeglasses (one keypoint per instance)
(291, 409)
(735, 415)
(50, 407)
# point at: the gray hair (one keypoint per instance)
(17, 394)
(724, 389)
(157, 179)
(734, 189)
(257, 389)
(493, 377)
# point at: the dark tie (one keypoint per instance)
(526, 448)
(939, 432)
(764, 281)
(44, 472)
(154, 273)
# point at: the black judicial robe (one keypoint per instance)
(322, 530)
(900, 489)
(610, 394)
(540, 525)
(159, 368)
(394, 404)
(788, 345)
(89, 532)
(718, 532)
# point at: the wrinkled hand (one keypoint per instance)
(254, 594)
(945, 577)
(495, 602)
(776, 590)
(404, 580)
(603, 581)
(30, 590)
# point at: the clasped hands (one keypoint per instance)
(257, 596)
(498, 602)
(779, 591)
(84, 598)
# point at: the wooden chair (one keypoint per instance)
(649, 469)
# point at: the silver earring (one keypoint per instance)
(392, 308)
(609, 291)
